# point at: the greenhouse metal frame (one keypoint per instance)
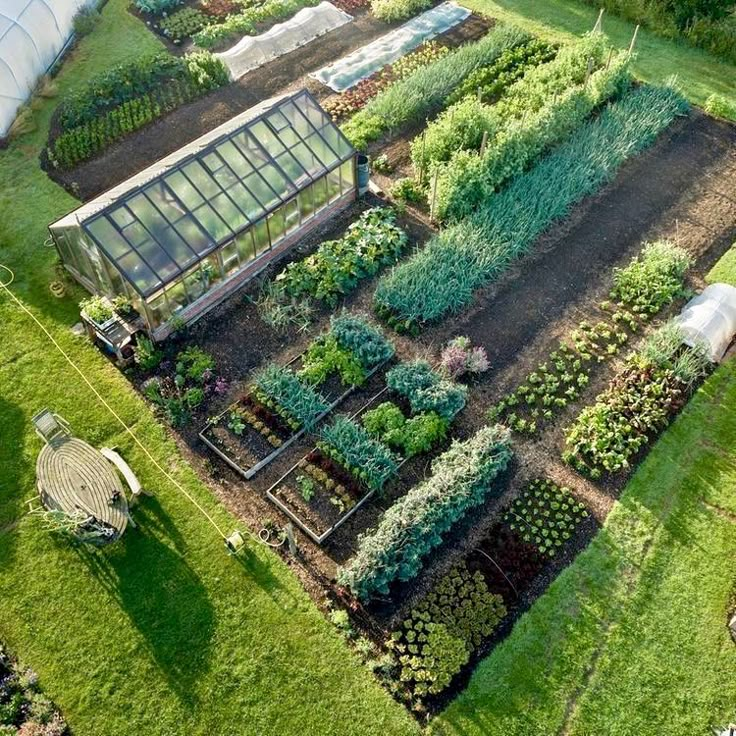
(181, 235)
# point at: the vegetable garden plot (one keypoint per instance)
(357, 456)
(284, 402)
(348, 71)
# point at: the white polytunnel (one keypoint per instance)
(709, 320)
(32, 34)
(308, 24)
(348, 71)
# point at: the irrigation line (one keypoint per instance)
(261, 538)
(498, 567)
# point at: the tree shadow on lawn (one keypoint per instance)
(162, 596)
(13, 467)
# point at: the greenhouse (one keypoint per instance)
(181, 235)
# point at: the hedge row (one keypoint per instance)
(441, 278)
(461, 478)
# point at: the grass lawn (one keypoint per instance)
(631, 639)
(725, 270)
(161, 633)
(699, 74)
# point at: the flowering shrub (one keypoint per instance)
(460, 357)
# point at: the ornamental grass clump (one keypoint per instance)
(353, 447)
(424, 91)
(441, 278)
(462, 477)
(280, 389)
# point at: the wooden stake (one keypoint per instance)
(483, 143)
(588, 71)
(424, 141)
(434, 197)
(597, 26)
(293, 549)
(633, 39)
(480, 94)
(610, 56)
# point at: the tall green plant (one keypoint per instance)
(440, 279)
(461, 478)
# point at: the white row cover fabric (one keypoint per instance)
(308, 24)
(32, 33)
(710, 320)
(348, 71)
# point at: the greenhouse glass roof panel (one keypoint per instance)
(155, 231)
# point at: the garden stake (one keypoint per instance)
(434, 196)
(597, 26)
(633, 39)
(610, 56)
(483, 143)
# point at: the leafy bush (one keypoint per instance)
(461, 478)
(195, 364)
(441, 278)
(156, 7)
(459, 128)
(393, 10)
(280, 389)
(353, 447)
(407, 190)
(653, 279)
(425, 90)
(325, 356)
(512, 64)
(720, 107)
(183, 24)
(245, 21)
(545, 515)
(426, 389)
(470, 179)
(414, 436)
(460, 357)
(334, 270)
(366, 342)
(85, 20)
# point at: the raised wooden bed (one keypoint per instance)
(251, 451)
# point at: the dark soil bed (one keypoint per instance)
(678, 190)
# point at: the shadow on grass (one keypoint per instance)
(13, 468)
(162, 596)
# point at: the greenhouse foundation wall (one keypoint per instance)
(222, 291)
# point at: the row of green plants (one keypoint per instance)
(439, 635)
(441, 278)
(24, 709)
(454, 130)
(347, 103)
(642, 288)
(462, 477)
(333, 270)
(126, 99)
(394, 10)
(244, 21)
(654, 384)
(471, 178)
(487, 83)
(424, 92)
